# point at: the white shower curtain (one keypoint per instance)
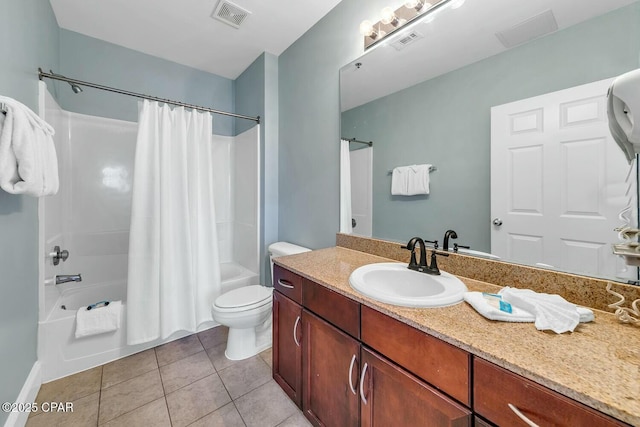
(345, 188)
(174, 270)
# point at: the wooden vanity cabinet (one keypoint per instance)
(496, 388)
(393, 397)
(330, 366)
(287, 346)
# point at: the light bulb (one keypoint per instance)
(411, 4)
(387, 16)
(457, 3)
(366, 28)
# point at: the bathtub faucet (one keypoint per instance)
(64, 278)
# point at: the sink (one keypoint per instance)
(395, 284)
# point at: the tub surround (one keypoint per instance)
(594, 365)
(581, 290)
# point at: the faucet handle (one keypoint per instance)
(457, 246)
(434, 242)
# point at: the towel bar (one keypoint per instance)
(431, 169)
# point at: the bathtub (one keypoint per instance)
(61, 354)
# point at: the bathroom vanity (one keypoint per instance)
(347, 360)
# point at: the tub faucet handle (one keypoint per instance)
(58, 255)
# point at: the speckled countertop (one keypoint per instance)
(598, 364)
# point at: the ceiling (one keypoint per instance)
(453, 39)
(183, 31)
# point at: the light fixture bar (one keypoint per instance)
(402, 18)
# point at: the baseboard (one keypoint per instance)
(27, 395)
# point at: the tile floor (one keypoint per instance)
(187, 382)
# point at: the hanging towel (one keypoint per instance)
(482, 306)
(98, 320)
(28, 162)
(410, 180)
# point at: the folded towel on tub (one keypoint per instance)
(98, 320)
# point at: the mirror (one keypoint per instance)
(429, 101)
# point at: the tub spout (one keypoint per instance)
(64, 278)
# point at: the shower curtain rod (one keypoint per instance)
(369, 143)
(53, 76)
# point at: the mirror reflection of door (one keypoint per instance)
(361, 191)
(559, 182)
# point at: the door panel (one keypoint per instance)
(558, 182)
(287, 354)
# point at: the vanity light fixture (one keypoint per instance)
(391, 21)
(419, 5)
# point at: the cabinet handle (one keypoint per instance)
(285, 283)
(364, 372)
(295, 331)
(353, 389)
(522, 416)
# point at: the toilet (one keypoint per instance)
(247, 311)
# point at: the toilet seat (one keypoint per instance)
(243, 299)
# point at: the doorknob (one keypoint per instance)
(497, 222)
(353, 223)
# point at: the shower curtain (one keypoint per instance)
(345, 188)
(174, 269)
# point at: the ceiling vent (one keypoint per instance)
(230, 13)
(406, 40)
(532, 28)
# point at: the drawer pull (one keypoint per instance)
(285, 283)
(353, 389)
(295, 331)
(364, 372)
(522, 416)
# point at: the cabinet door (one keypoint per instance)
(390, 396)
(287, 350)
(507, 399)
(330, 371)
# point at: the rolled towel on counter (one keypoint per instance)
(522, 314)
(98, 320)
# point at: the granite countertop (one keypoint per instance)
(598, 364)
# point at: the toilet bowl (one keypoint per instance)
(247, 311)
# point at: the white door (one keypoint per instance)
(558, 182)
(361, 190)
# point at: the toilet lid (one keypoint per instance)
(244, 296)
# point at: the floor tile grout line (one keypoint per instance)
(239, 413)
(100, 396)
(137, 407)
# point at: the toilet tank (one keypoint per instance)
(284, 248)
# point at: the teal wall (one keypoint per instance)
(310, 123)
(29, 35)
(96, 61)
(446, 122)
(256, 94)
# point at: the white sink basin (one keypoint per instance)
(394, 283)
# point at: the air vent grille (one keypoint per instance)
(230, 13)
(406, 40)
(532, 28)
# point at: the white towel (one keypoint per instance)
(28, 161)
(518, 314)
(410, 180)
(98, 320)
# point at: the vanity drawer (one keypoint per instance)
(287, 283)
(494, 388)
(332, 307)
(437, 362)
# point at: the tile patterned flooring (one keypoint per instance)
(187, 382)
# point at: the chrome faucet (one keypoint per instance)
(64, 278)
(411, 245)
(449, 234)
